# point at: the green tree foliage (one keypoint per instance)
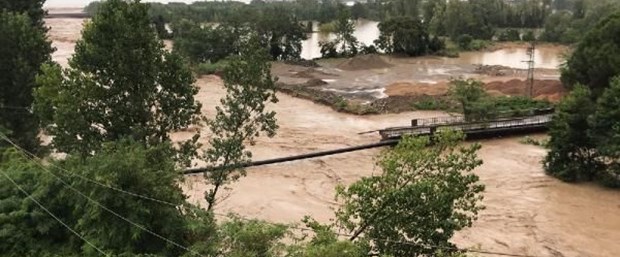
(509, 35)
(470, 93)
(605, 133)
(425, 193)
(63, 187)
(345, 44)
(591, 63)
(33, 9)
(27, 230)
(461, 18)
(278, 31)
(23, 48)
(251, 238)
(242, 116)
(281, 33)
(572, 156)
(569, 26)
(358, 11)
(406, 35)
(121, 83)
(204, 43)
(558, 28)
(133, 168)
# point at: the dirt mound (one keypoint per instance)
(494, 70)
(416, 89)
(312, 73)
(364, 62)
(551, 90)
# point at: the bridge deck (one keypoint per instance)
(429, 127)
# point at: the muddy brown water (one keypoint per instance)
(526, 211)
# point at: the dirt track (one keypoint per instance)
(527, 212)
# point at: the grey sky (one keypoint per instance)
(82, 3)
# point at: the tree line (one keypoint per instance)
(585, 130)
(116, 189)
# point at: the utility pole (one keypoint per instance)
(531, 51)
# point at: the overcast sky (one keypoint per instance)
(82, 3)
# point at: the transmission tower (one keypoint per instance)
(531, 51)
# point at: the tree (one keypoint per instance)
(572, 155)
(124, 177)
(605, 133)
(557, 28)
(27, 230)
(509, 35)
(242, 116)
(32, 8)
(424, 194)
(202, 44)
(345, 27)
(23, 48)
(121, 83)
(470, 94)
(281, 33)
(131, 167)
(403, 35)
(358, 11)
(591, 63)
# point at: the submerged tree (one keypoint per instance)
(406, 35)
(121, 83)
(425, 193)
(242, 116)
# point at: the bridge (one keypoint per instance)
(538, 121)
(428, 127)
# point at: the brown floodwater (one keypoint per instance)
(526, 211)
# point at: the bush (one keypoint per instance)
(529, 36)
(329, 27)
(431, 103)
(371, 49)
(478, 44)
(509, 35)
(211, 68)
(464, 41)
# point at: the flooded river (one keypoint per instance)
(527, 212)
(367, 32)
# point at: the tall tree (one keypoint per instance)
(404, 35)
(23, 48)
(121, 83)
(605, 133)
(33, 8)
(242, 116)
(591, 63)
(572, 155)
(424, 194)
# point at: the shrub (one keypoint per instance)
(509, 35)
(464, 41)
(211, 68)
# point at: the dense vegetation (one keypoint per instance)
(477, 105)
(24, 48)
(116, 190)
(585, 130)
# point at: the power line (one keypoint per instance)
(32, 157)
(29, 196)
